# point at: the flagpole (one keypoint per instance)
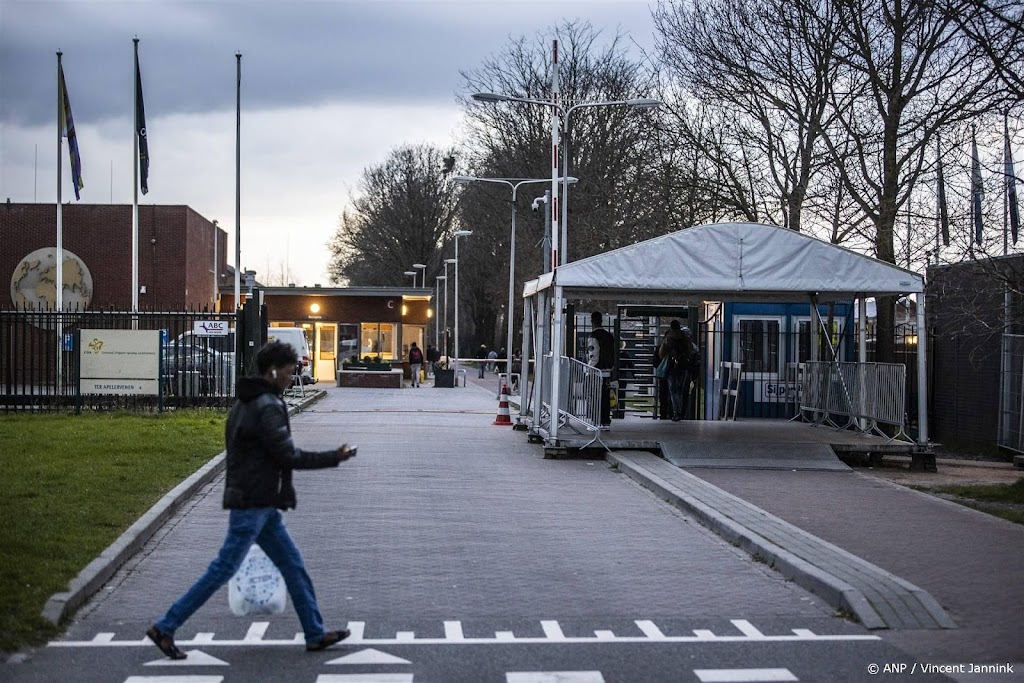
(135, 191)
(59, 260)
(1006, 184)
(238, 179)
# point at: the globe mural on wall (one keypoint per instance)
(34, 282)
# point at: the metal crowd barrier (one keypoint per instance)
(863, 395)
(579, 400)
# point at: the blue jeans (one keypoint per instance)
(265, 527)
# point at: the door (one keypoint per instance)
(325, 353)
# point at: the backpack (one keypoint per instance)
(415, 356)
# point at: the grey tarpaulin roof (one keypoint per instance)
(730, 262)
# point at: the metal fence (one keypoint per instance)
(1011, 400)
(39, 365)
(861, 395)
(579, 401)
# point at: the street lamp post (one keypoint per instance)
(557, 338)
(437, 318)
(447, 261)
(458, 234)
(514, 184)
(422, 267)
(565, 117)
(413, 274)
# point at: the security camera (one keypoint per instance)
(537, 202)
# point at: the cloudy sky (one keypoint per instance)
(329, 87)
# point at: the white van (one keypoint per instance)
(296, 338)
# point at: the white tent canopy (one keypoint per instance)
(748, 262)
(730, 262)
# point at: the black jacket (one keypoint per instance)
(260, 452)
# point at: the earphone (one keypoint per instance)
(273, 373)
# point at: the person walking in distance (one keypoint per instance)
(258, 485)
(683, 358)
(415, 363)
(601, 355)
(482, 355)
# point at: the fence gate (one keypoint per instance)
(1011, 399)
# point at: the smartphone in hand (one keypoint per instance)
(351, 453)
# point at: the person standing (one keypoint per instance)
(683, 360)
(482, 356)
(415, 363)
(258, 485)
(601, 355)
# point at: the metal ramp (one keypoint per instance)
(752, 456)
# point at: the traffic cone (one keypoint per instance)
(504, 417)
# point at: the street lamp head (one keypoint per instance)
(419, 265)
(449, 260)
(463, 179)
(490, 97)
(569, 180)
(644, 103)
(463, 233)
(409, 272)
(440, 277)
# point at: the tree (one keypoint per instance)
(768, 67)
(920, 74)
(403, 213)
(612, 152)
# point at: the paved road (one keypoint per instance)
(452, 545)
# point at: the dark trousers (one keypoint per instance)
(664, 400)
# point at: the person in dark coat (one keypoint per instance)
(258, 485)
(601, 355)
(682, 353)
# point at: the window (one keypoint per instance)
(803, 346)
(377, 340)
(757, 344)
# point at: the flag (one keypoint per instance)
(977, 189)
(1011, 185)
(943, 208)
(140, 128)
(67, 130)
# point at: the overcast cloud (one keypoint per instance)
(328, 88)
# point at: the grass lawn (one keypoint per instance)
(70, 485)
(1001, 500)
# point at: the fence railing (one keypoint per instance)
(39, 365)
(579, 400)
(861, 395)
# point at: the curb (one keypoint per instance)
(830, 588)
(61, 605)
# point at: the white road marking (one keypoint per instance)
(747, 629)
(453, 630)
(453, 635)
(649, 629)
(256, 631)
(357, 628)
(744, 675)
(554, 677)
(364, 678)
(369, 656)
(195, 658)
(174, 679)
(552, 630)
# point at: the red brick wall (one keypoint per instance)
(175, 269)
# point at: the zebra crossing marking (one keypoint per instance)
(744, 675)
(195, 658)
(554, 677)
(369, 656)
(453, 635)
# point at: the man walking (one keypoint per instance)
(258, 484)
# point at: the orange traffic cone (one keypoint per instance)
(504, 417)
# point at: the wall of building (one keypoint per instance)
(175, 250)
